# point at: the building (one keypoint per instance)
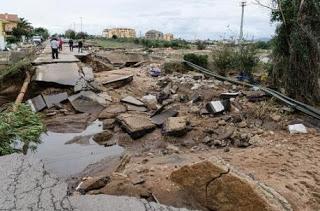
(2, 34)
(154, 35)
(119, 33)
(12, 21)
(168, 37)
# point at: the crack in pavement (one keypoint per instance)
(212, 180)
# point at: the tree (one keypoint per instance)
(81, 35)
(70, 34)
(296, 52)
(23, 28)
(41, 32)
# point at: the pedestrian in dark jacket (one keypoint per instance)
(71, 44)
(80, 46)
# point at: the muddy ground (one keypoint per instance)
(287, 163)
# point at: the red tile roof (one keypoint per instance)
(9, 17)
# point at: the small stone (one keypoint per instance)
(217, 143)
(195, 110)
(92, 183)
(103, 138)
(222, 123)
(276, 118)
(242, 124)
(108, 124)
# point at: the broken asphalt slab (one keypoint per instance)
(63, 74)
(136, 125)
(114, 78)
(87, 102)
(133, 101)
(159, 119)
(26, 184)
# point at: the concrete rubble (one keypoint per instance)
(169, 125)
(136, 125)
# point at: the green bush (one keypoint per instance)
(229, 58)
(263, 45)
(201, 60)
(22, 125)
(201, 45)
(225, 59)
(171, 67)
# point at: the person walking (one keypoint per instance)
(71, 45)
(80, 46)
(60, 44)
(54, 48)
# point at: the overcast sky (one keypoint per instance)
(188, 19)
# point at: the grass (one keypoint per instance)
(15, 69)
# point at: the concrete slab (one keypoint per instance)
(52, 100)
(175, 126)
(47, 59)
(37, 103)
(136, 125)
(132, 100)
(159, 119)
(87, 102)
(64, 74)
(112, 111)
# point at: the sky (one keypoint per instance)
(186, 19)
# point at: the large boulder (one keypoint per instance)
(217, 186)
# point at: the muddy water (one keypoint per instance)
(67, 160)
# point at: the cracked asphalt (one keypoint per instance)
(27, 185)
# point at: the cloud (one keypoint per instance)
(187, 19)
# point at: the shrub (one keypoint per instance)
(201, 45)
(22, 125)
(201, 60)
(229, 58)
(171, 67)
(225, 59)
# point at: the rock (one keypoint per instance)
(175, 126)
(103, 138)
(195, 110)
(207, 140)
(112, 111)
(133, 101)
(243, 124)
(218, 186)
(255, 96)
(149, 99)
(218, 107)
(297, 128)
(159, 119)
(87, 102)
(136, 125)
(173, 148)
(174, 89)
(229, 95)
(222, 123)
(217, 143)
(92, 183)
(196, 98)
(136, 108)
(108, 124)
(276, 118)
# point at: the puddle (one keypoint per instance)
(67, 160)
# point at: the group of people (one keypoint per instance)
(57, 45)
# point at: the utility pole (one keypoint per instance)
(243, 4)
(81, 23)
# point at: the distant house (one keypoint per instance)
(2, 34)
(119, 33)
(168, 37)
(154, 35)
(12, 21)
